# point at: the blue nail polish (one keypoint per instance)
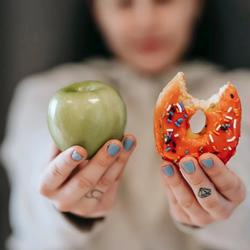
(76, 156)
(168, 170)
(113, 149)
(188, 166)
(208, 163)
(127, 144)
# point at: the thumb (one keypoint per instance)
(54, 151)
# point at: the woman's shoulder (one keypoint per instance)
(63, 74)
(238, 77)
(213, 74)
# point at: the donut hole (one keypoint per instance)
(198, 121)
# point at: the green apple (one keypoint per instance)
(88, 114)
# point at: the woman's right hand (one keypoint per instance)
(86, 187)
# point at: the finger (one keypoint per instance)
(204, 190)
(114, 173)
(101, 208)
(86, 179)
(225, 180)
(184, 195)
(60, 168)
(111, 176)
(175, 209)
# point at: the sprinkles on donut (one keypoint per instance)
(175, 106)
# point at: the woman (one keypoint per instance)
(148, 39)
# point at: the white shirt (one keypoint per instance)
(140, 219)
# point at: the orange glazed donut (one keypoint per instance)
(174, 108)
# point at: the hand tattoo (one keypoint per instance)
(204, 192)
(94, 194)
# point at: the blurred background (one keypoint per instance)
(38, 34)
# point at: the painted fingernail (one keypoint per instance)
(76, 156)
(113, 149)
(188, 166)
(168, 170)
(207, 163)
(127, 144)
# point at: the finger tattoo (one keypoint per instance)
(204, 192)
(94, 194)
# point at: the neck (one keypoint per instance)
(148, 73)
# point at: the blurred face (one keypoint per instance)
(148, 35)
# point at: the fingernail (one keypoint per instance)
(127, 144)
(168, 170)
(188, 166)
(208, 163)
(113, 149)
(76, 156)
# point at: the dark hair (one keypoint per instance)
(94, 44)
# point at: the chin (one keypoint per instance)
(152, 66)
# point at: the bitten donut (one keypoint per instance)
(173, 135)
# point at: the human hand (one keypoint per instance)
(201, 192)
(86, 187)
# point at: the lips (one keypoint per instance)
(149, 45)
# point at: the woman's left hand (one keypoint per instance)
(201, 192)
